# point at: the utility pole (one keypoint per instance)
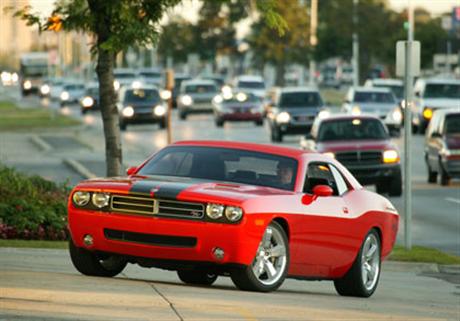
(355, 59)
(408, 83)
(313, 39)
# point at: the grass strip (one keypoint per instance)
(423, 254)
(34, 244)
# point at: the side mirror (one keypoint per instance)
(322, 190)
(131, 170)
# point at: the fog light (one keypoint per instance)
(218, 253)
(88, 240)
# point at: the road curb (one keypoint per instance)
(395, 266)
(450, 269)
(41, 144)
(79, 168)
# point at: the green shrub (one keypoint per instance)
(31, 207)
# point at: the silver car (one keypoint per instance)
(196, 96)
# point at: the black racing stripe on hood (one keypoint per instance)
(161, 189)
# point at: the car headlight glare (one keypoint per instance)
(233, 213)
(390, 156)
(324, 114)
(27, 84)
(45, 89)
(65, 95)
(186, 100)
(215, 211)
(136, 84)
(128, 111)
(81, 198)
(241, 97)
(427, 113)
(87, 101)
(397, 115)
(100, 200)
(165, 94)
(218, 99)
(116, 85)
(283, 117)
(159, 110)
(356, 111)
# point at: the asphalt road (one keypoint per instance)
(42, 285)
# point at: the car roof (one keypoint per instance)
(297, 89)
(249, 78)
(450, 111)
(387, 81)
(449, 81)
(372, 89)
(349, 116)
(264, 148)
(199, 82)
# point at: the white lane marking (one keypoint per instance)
(454, 200)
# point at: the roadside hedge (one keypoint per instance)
(31, 207)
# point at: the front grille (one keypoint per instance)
(180, 209)
(359, 158)
(133, 204)
(150, 239)
(145, 205)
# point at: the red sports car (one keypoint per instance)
(257, 213)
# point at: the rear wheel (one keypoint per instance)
(89, 263)
(259, 122)
(270, 265)
(363, 277)
(196, 277)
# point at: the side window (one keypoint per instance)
(319, 174)
(342, 187)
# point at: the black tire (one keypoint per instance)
(163, 124)
(351, 284)
(196, 277)
(84, 111)
(381, 187)
(260, 122)
(88, 263)
(219, 122)
(395, 187)
(432, 175)
(123, 126)
(276, 135)
(182, 115)
(245, 278)
(414, 129)
(443, 175)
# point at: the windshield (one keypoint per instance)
(150, 74)
(123, 75)
(200, 89)
(373, 97)
(224, 164)
(442, 91)
(142, 96)
(178, 82)
(34, 71)
(74, 87)
(351, 129)
(398, 91)
(300, 99)
(453, 124)
(94, 92)
(251, 84)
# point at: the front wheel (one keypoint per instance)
(443, 175)
(363, 277)
(89, 263)
(395, 188)
(196, 277)
(270, 265)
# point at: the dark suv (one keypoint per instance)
(362, 144)
(292, 110)
(442, 145)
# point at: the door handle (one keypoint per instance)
(345, 210)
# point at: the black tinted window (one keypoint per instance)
(200, 89)
(142, 95)
(442, 91)
(453, 124)
(251, 84)
(300, 99)
(224, 164)
(351, 129)
(373, 97)
(398, 91)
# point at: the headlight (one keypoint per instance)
(226, 90)
(329, 154)
(214, 211)
(165, 94)
(14, 77)
(241, 97)
(186, 100)
(27, 84)
(81, 198)
(356, 110)
(324, 114)
(159, 110)
(87, 101)
(283, 117)
(116, 85)
(45, 89)
(390, 156)
(128, 111)
(218, 99)
(427, 113)
(233, 213)
(397, 115)
(100, 200)
(65, 95)
(136, 84)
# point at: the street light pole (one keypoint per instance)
(355, 62)
(313, 38)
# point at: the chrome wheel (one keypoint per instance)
(270, 262)
(370, 262)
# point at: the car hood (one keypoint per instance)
(302, 111)
(376, 108)
(453, 141)
(440, 102)
(352, 145)
(180, 188)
